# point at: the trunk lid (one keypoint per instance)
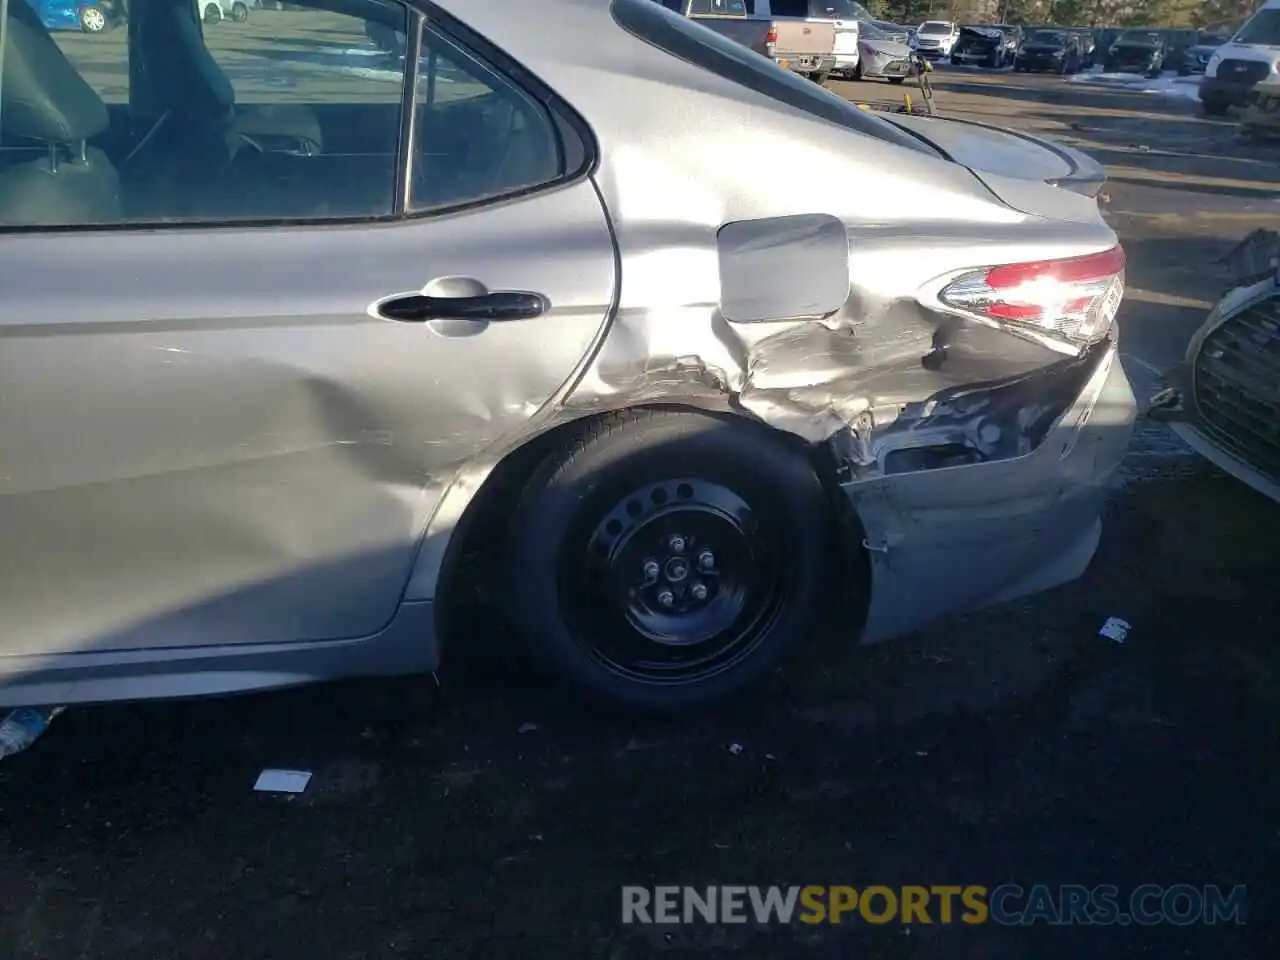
(1004, 153)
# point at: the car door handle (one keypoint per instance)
(482, 308)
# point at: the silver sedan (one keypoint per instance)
(519, 320)
(880, 55)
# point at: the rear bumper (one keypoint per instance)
(952, 539)
(1040, 64)
(809, 64)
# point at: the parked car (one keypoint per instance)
(1049, 51)
(935, 38)
(993, 46)
(792, 42)
(1177, 41)
(1136, 51)
(215, 11)
(1104, 37)
(880, 56)
(548, 350)
(841, 15)
(1250, 57)
(1196, 58)
(893, 31)
(96, 16)
(1222, 398)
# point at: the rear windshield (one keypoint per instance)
(718, 8)
(1264, 28)
(690, 41)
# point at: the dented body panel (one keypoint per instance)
(267, 494)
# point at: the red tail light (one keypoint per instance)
(1066, 304)
(772, 35)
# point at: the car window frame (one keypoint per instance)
(577, 144)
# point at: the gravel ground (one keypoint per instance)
(1012, 745)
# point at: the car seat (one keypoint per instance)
(49, 175)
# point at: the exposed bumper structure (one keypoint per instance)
(959, 537)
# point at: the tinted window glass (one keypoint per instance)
(1264, 28)
(718, 8)
(479, 135)
(286, 115)
(789, 8)
(703, 48)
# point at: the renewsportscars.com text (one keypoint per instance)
(1006, 905)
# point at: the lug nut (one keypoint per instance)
(676, 543)
(666, 598)
(699, 591)
(651, 569)
(706, 560)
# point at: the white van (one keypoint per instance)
(1248, 58)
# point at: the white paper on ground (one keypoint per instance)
(283, 781)
(1115, 629)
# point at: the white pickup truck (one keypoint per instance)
(805, 47)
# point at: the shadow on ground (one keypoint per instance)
(1013, 745)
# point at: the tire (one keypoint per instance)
(239, 12)
(212, 13)
(1215, 107)
(820, 78)
(592, 555)
(895, 80)
(92, 18)
(857, 71)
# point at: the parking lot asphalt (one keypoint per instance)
(485, 817)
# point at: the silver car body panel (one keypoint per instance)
(192, 433)
(1008, 153)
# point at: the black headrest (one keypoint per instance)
(188, 80)
(42, 96)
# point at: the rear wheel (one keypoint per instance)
(93, 19)
(820, 77)
(1215, 106)
(663, 560)
(896, 79)
(239, 12)
(212, 13)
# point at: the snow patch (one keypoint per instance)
(1168, 84)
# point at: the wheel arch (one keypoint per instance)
(482, 495)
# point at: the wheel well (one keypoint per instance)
(467, 579)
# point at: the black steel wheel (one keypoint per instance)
(664, 560)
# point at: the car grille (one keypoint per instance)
(1236, 377)
(1242, 71)
(922, 42)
